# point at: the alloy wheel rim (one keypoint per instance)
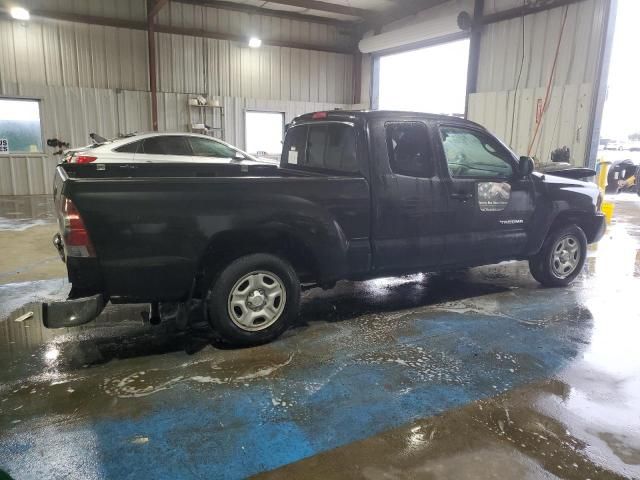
(256, 301)
(565, 256)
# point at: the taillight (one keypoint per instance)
(319, 115)
(85, 159)
(76, 238)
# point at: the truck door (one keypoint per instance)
(409, 198)
(490, 205)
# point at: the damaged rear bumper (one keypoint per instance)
(71, 313)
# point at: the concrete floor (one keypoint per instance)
(477, 375)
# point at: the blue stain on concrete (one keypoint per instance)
(231, 431)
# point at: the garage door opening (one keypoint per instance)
(620, 130)
(431, 79)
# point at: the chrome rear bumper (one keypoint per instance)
(71, 313)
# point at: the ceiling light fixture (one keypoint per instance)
(255, 42)
(19, 13)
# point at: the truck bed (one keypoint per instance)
(153, 225)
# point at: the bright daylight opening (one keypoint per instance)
(431, 79)
(620, 130)
(264, 133)
(20, 126)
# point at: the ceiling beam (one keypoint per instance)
(190, 32)
(525, 10)
(268, 12)
(326, 7)
(154, 7)
(89, 19)
(400, 11)
(194, 32)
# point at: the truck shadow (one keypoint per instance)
(353, 299)
(119, 333)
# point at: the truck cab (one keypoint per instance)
(445, 193)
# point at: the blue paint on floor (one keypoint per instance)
(440, 360)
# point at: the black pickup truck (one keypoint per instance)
(357, 195)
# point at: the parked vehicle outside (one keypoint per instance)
(158, 147)
(357, 195)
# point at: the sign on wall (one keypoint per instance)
(4, 145)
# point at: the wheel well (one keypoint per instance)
(228, 246)
(572, 218)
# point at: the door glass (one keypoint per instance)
(203, 147)
(167, 145)
(473, 154)
(408, 147)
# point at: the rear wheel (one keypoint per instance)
(254, 299)
(561, 257)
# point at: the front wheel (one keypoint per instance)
(254, 299)
(561, 257)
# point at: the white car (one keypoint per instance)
(159, 147)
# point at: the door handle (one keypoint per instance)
(462, 196)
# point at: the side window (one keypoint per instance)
(130, 147)
(294, 152)
(203, 147)
(408, 147)
(473, 154)
(167, 145)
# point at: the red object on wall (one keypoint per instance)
(539, 108)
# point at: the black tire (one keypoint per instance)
(541, 265)
(221, 313)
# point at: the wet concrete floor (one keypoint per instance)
(481, 374)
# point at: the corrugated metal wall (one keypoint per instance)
(72, 54)
(94, 78)
(244, 24)
(221, 67)
(569, 115)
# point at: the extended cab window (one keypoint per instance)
(295, 146)
(408, 147)
(167, 145)
(203, 147)
(330, 146)
(474, 154)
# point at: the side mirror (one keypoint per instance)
(525, 166)
(238, 156)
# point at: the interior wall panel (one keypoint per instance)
(508, 115)
(504, 48)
